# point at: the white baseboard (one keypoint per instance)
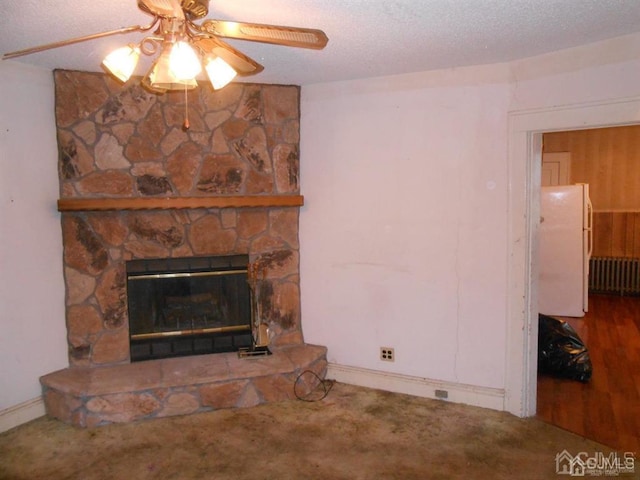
(485, 397)
(22, 413)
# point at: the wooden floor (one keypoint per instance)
(607, 409)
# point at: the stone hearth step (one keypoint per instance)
(91, 396)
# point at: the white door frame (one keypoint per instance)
(524, 168)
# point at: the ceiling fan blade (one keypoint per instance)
(63, 43)
(278, 35)
(242, 64)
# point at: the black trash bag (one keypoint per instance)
(561, 352)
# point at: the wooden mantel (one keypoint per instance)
(169, 203)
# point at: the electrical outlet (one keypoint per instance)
(387, 354)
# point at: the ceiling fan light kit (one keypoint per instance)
(122, 62)
(183, 61)
(163, 76)
(185, 46)
(220, 72)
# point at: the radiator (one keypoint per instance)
(614, 275)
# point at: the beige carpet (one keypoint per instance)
(353, 433)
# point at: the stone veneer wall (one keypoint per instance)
(124, 142)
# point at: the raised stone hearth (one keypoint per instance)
(88, 397)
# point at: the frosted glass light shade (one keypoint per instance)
(220, 72)
(161, 76)
(122, 62)
(146, 83)
(184, 62)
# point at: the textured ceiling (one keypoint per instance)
(367, 38)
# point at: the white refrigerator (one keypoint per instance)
(565, 245)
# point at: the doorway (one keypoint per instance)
(605, 409)
(525, 159)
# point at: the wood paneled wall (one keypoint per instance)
(616, 234)
(608, 159)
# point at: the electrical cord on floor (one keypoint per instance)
(327, 385)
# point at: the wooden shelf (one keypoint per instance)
(170, 203)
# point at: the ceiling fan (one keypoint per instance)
(185, 45)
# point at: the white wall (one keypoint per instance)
(403, 232)
(415, 232)
(32, 318)
(603, 71)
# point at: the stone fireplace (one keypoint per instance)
(134, 187)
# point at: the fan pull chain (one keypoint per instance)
(185, 125)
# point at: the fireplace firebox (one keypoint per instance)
(188, 306)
